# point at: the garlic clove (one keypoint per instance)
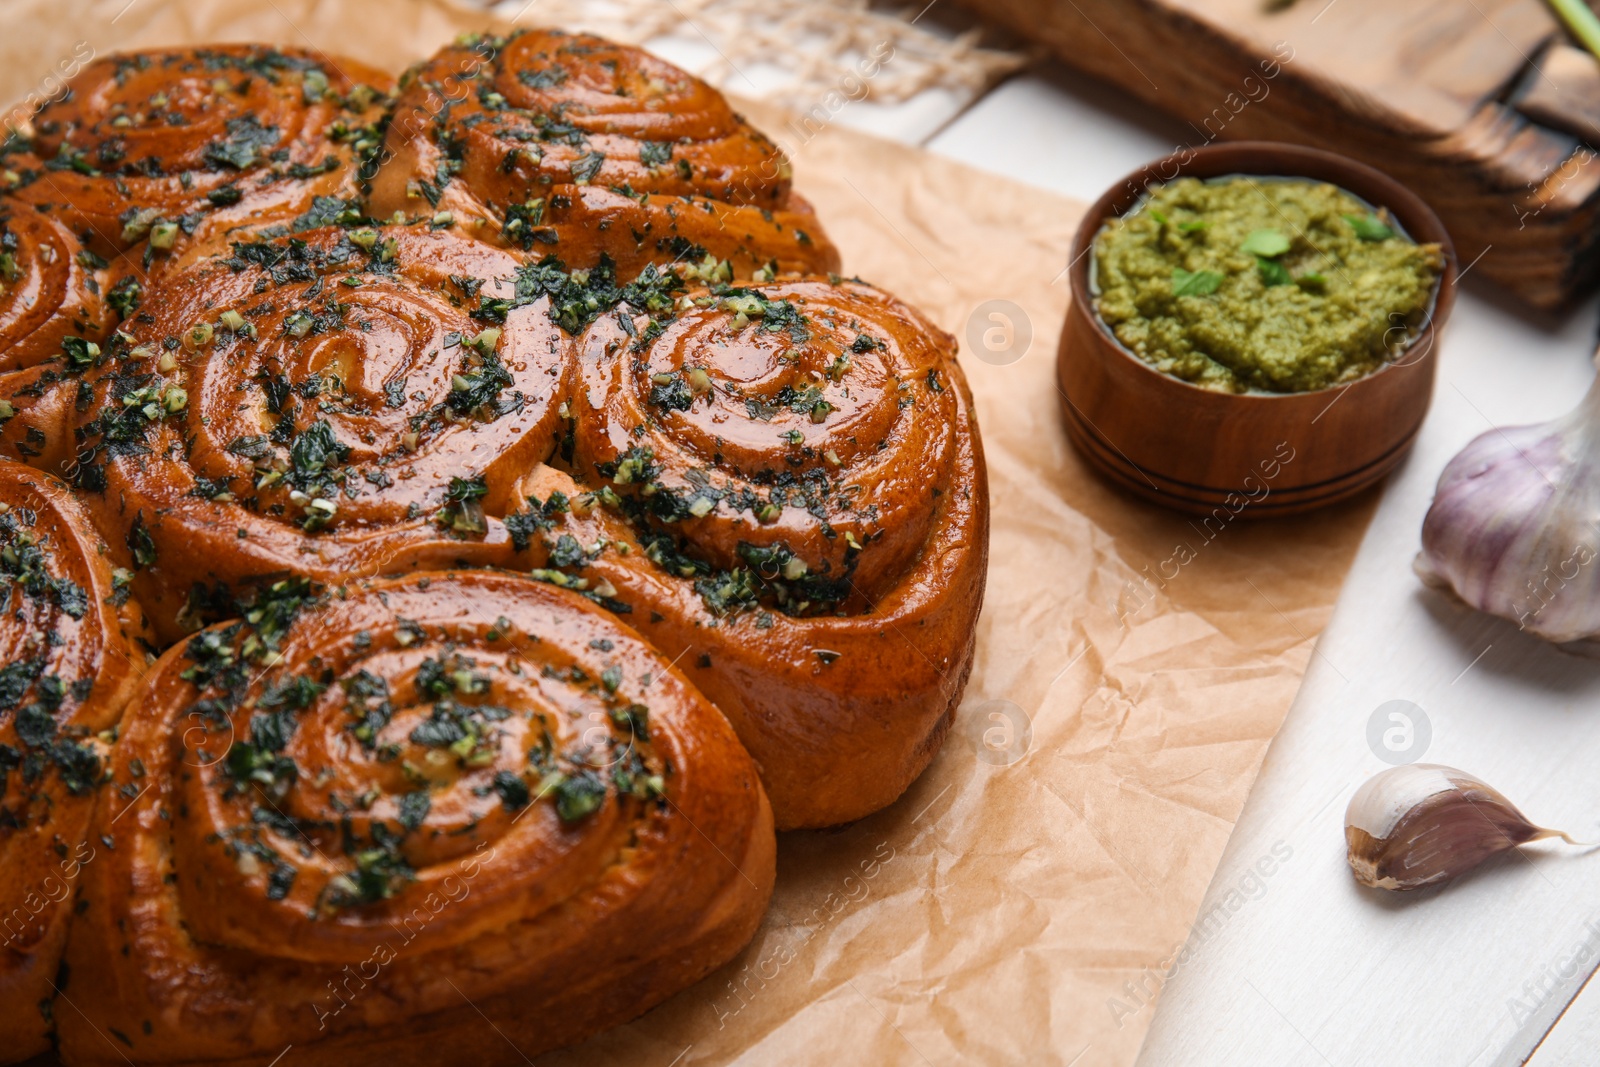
(1514, 527)
(1422, 823)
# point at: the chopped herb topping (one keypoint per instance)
(579, 796)
(463, 509)
(1194, 283)
(1370, 227)
(246, 141)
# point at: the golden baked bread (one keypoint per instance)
(59, 302)
(69, 660)
(790, 467)
(150, 158)
(52, 288)
(324, 405)
(147, 147)
(306, 352)
(363, 826)
(796, 474)
(571, 146)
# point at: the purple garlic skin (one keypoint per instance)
(1514, 529)
(1421, 824)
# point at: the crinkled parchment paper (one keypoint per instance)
(1132, 668)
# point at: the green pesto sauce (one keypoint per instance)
(1245, 284)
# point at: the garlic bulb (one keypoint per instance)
(1419, 824)
(1515, 525)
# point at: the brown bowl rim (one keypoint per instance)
(1419, 221)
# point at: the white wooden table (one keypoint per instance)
(1306, 968)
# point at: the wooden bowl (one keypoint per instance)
(1244, 454)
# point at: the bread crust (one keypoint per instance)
(69, 662)
(532, 518)
(572, 146)
(195, 946)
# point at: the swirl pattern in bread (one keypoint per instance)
(361, 826)
(325, 405)
(59, 303)
(306, 352)
(782, 476)
(147, 147)
(785, 483)
(571, 146)
(69, 661)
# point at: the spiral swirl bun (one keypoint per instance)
(59, 302)
(550, 135)
(784, 485)
(507, 554)
(146, 147)
(67, 642)
(52, 288)
(800, 427)
(360, 827)
(325, 405)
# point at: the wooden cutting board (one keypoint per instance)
(1483, 107)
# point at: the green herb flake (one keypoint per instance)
(414, 808)
(512, 789)
(1194, 283)
(245, 142)
(141, 546)
(1272, 272)
(1265, 243)
(586, 166)
(1370, 227)
(579, 796)
(463, 511)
